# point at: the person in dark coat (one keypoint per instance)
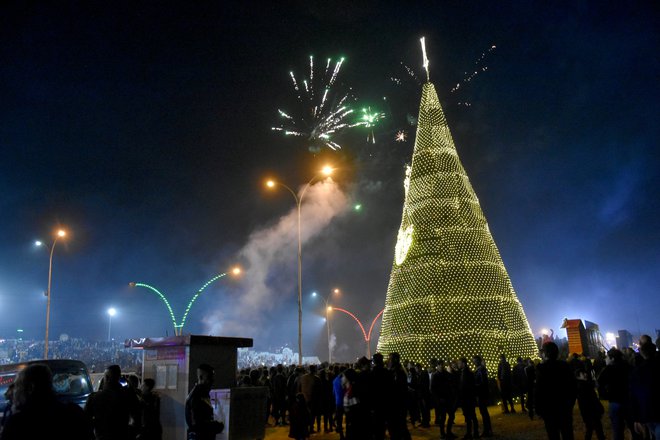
(278, 385)
(338, 393)
(519, 379)
(574, 362)
(199, 412)
(468, 399)
(380, 389)
(396, 420)
(133, 384)
(425, 398)
(591, 409)
(530, 375)
(599, 363)
(327, 400)
(150, 427)
(292, 385)
(433, 363)
(555, 394)
(505, 381)
(445, 399)
(38, 414)
(413, 394)
(113, 407)
(310, 385)
(483, 394)
(357, 421)
(645, 392)
(613, 385)
(299, 419)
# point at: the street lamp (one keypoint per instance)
(325, 171)
(60, 234)
(111, 312)
(328, 309)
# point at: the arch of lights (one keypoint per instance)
(178, 327)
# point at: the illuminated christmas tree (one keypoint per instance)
(449, 293)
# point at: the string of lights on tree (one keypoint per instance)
(449, 293)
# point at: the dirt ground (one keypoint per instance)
(516, 426)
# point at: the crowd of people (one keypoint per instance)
(115, 411)
(95, 354)
(365, 400)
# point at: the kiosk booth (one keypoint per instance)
(172, 363)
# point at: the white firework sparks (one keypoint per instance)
(322, 109)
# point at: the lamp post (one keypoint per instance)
(178, 328)
(61, 233)
(328, 309)
(111, 312)
(326, 171)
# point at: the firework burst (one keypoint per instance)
(323, 109)
(370, 119)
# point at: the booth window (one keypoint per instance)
(166, 376)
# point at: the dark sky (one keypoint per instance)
(144, 129)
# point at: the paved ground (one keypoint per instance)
(505, 426)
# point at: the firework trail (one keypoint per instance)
(407, 83)
(323, 110)
(478, 68)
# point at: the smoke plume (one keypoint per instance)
(270, 261)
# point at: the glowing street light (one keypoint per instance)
(610, 338)
(60, 234)
(178, 328)
(111, 312)
(328, 309)
(325, 171)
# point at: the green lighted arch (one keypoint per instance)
(178, 328)
(194, 298)
(162, 297)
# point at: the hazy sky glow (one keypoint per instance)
(145, 131)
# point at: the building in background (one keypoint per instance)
(624, 340)
(583, 338)
(595, 342)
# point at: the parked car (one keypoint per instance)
(71, 380)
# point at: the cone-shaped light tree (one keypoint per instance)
(449, 293)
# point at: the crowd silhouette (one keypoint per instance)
(374, 399)
(371, 399)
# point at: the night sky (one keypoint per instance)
(144, 129)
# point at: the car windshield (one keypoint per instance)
(70, 381)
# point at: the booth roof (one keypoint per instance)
(174, 341)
